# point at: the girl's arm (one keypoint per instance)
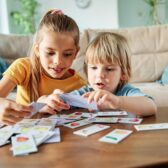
(6, 86)
(10, 112)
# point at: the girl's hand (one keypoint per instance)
(104, 99)
(54, 102)
(11, 112)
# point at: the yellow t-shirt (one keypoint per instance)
(19, 73)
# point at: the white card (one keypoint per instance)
(146, 127)
(112, 113)
(91, 130)
(62, 121)
(5, 134)
(48, 122)
(55, 138)
(78, 101)
(104, 120)
(77, 124)
(27, 122)
(130, 120)
(89, 115)
(23, 144)
(115, 136)
(36, 108)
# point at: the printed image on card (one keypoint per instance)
(130, 120)
(91, 130)
(23, 144)
(115, 136)
(78, 123)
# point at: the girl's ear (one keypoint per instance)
(36, 49)
(77, 50)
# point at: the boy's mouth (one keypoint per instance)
(100, 85)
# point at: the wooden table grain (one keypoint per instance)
(140, 149)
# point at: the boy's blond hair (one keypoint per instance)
(54, 21)
(110, 48)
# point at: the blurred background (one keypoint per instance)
(22, 16)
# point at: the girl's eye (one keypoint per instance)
(110, 69)
(67, 54)
(50, 53)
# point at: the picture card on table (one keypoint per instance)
(148, 127)
(115, 136)
(77, 124)
(130, 120)
(91, 130)
(23, 144)
(107, 120)
(112, 113)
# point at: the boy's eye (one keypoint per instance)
(93, 67)
(110, 69)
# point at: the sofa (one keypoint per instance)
(149, 47)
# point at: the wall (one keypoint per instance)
(137, 13)
(99, 14)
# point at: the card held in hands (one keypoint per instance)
(36, 108)
(78, 101)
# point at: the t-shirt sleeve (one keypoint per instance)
(82, 90)
(19, 71)
(129, 90)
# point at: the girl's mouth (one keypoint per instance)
(57, 70)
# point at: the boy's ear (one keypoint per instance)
(123, 77)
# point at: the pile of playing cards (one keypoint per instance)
(28, 134)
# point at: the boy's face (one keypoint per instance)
(104, 76)
(56, 52)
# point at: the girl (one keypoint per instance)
(108, 68)
(54, 48)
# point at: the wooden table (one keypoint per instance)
(140, 149)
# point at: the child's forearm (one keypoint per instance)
(142, 106)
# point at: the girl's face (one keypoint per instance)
(104, 76)
(56, 52)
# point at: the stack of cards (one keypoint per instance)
(115, 136)
(91, 130)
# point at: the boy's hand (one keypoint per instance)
(11, 112)
(104, 99)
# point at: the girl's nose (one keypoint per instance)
(57, 59)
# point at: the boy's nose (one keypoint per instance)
(101, 74)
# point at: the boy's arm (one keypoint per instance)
(139, 105)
